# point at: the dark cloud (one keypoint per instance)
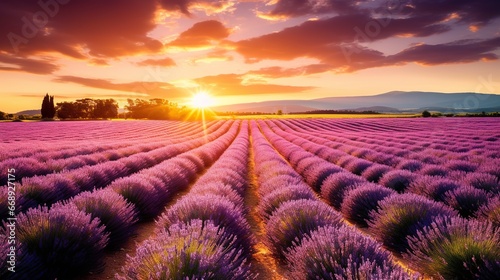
(152, 89)
(293, 8)
(335, 41)
(164, 62)
(186, 6)
(235, 84)
(82, 29)
(35, 66)
(201, 35)
(463, 51)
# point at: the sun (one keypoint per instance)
(202, 100)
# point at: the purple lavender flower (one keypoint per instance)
(397, 180)
(197, 250)
(359, 202)
(336, 185)
(455, 248)
(400, 216)
(294, 220)
(466, 200)
(60, 243)
(341, 253)
(375, 172)
(275, 199)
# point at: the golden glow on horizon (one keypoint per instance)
(202, 100)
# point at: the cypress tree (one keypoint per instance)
(48, 108)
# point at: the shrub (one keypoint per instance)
(60, 243)
(397, 180)
(208, 207)
(359, 202)
(410, 165)
(357, 166)
(198, 250)
(375, 172)
(484, 181)
(336, 185)
(461, 165)
(281, 181)
(434, 170)
(491, 211)
(316, 175)
(275, 199)
(466, 200)
(457, 249)
(295, 220)
(114, 212)
(431, 187)
(341, 253)
(400, 216)
(220, 189)
(142, 194)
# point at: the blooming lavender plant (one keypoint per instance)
(400, 216)
(466, 200)
(59, 243)
(341, 253)
(197, 250)
(294, 220)
(455, 248)
(336, 185)
(275, 199)
(114, 212)
(397, 180)
(359, 202)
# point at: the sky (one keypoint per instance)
(243, 51)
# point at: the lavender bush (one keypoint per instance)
(397, 180)
(60, 243)
(359, 202)
(401, 216)
(466, 200)
(198, 250)
(341, 253)
(336, 185)
(455, 248)
(294, 220)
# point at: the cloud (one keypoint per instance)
(164, 62)
(201, 35)
(335, 41)
(235, 84)
(78, 28)
(463, 51)
(283, 9)
(35, 66)
(151, 89)
(209, 7)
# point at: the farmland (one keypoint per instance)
(390, 198)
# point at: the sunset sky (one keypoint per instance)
(244, 51)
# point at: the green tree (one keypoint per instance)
(2, 115)
(426, 114)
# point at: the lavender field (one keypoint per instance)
(251, 199)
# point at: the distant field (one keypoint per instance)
(319, 116)
(259, 199)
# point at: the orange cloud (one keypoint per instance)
(234, 84)
(201, 35)
(164, 62)
(151, 89)
(35, 66)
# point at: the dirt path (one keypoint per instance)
(263, 261)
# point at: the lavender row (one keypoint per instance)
(28, 166)
(308, 235)
(65, 148)
(421, 162)
(467, 193)
(49, 189)
(93, 221)
(204, 235)
(398, 220)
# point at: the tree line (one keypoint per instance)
(88, 108)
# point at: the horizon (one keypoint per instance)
(242, 52)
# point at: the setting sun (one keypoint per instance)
(202, 99)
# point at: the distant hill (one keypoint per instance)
(29, 112)
(394, 101)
